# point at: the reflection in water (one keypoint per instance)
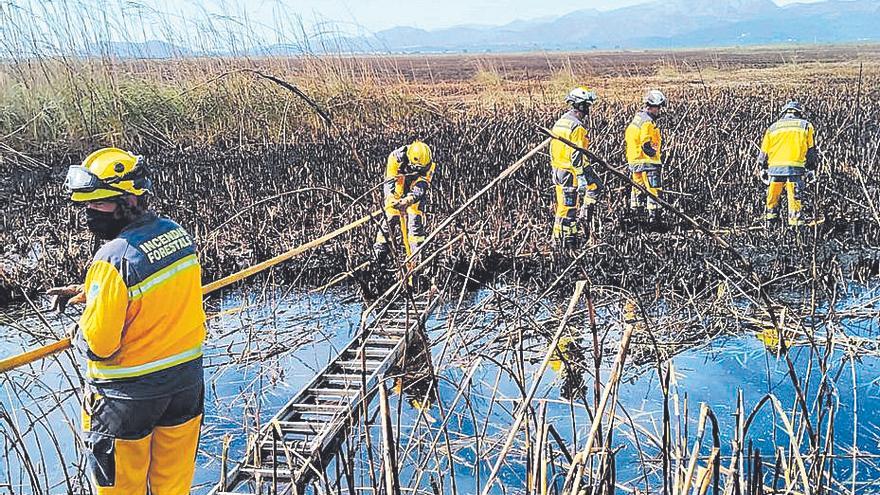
(569, 361)
(264, 352)
(416, 380)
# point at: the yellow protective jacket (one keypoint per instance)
(788, 147)
(401, 178)
(143, 313)
(568, 163)
(643, 142)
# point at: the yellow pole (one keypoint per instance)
(247, 272)
(45, 351)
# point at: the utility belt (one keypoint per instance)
(787, 168)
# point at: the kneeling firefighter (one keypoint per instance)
(576, 184)
(142, 332)
(643, 154)
(788, 156)
(408, 174)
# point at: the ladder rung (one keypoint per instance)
(330, 382)
(358, 365)
(332, 402)
(401, 311)
(296, 448)
(369, 352)
(334, 391)
(318, 407)
(345, 376)
(374, 341)
(306, 426)
(389, 331)
(389, 326)
(266, 473)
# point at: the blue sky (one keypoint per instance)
(375, 15)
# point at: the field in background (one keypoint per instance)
(73, 104)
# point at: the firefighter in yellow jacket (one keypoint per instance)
(142, 331)
(788, 156)
(408, 174)
(577, 187)
(644, 156)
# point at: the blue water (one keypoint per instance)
(265, 347)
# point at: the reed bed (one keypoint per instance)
(246, 202)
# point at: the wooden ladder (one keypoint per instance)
(294, 445)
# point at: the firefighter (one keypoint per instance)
(643, 154)
(787, 158)
(142, 332)
(577, 187)
(408, 174)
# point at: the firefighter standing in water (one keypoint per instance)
(408, 175)
(142, 332)
(643, 144)
(577, 187)
(788, 156)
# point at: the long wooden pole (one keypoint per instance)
(45, 351)
(389, 456)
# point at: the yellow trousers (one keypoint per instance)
(794, 186)
(133, 446)
(651, 181)
(565, 221)
(411, 225)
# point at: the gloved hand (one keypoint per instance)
(404, 202)
(809, 176)
(764, 175)
(62, 296)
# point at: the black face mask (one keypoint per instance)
(104, 224)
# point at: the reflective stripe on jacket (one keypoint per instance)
(401, 178)
(786, 145)
(640, 132)
(143, 309)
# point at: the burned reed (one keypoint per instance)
(245, 203)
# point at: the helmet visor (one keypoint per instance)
(80, 179)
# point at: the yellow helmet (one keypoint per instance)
(107, 173)
(418, 153)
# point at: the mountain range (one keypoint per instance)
(655, 24)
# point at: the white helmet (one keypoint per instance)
(655, 98)
(581, 96)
